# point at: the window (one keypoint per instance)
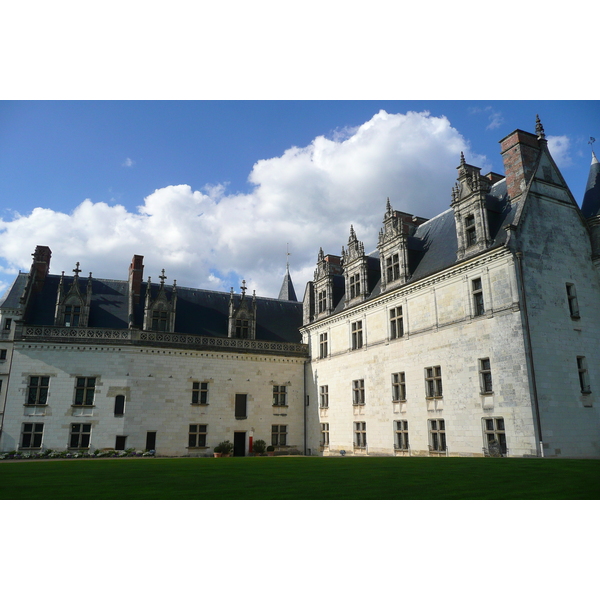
(401, 434)
(477, 291)
(37, 392)
(324, 434)
(31, 435)
(358, 391)
(360, 434)
(2, 354)
(119, 405)
(437, 435)
(72, 314)
(324, 396)
(398, 387)
(322, 301)
(84, 391)
(396, 323)
(495, 435)
(354, 286)
(279, 435)
(584, 380)
(200, 392)
(160, 319)
(80, 435)
(572, 299)
(279, 395)
(357, 335)
(470, 231)
(242, 329)
(7, 324)
(197, 436)
(240, 406)
(433, 382)
(392, 266)
(120, 442)
(323, 345)
(485, 376)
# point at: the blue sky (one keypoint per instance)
(85, 162)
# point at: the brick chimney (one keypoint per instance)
(519, 151)
(40, 266)
(136, 275)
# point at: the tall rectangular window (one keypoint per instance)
(240, 406)
(495, 436)
(433, 382)
(401, 433)
(3, 354)
(279, 435)
(84, 391)
(119, 405)
(477, 291)
(323, 345)
(120, 442)
(360, 434)
(357, 335)
(572, 300)
(31, 435)
(358, 391)
(392, 268)
(37, 391)
(437, 435)
(470, 230)
(324, 396)
(396, 323)
(200, 392)
(584, 380)
(197, 436)
(324, 434)
(7, 324)
(242, 329)
(160, 320)
(398, 387)
(354, 286)
(485, 375)
(322, 301)
(80, 435)
(72, 315)
(279, 395)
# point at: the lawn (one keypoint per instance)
(301, 478)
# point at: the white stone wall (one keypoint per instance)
(557, 251)
(439, 330)
(157, 384)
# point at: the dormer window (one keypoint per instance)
(470, 230)
(392, 265)
(72, 315)
(160, 320)
(242, 329)
(322, 299)
(354, 286)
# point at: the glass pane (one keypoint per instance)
(75, 427)
(86, 427)
(500, 424)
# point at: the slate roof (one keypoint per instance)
(287, 291)
(199, 312)
(591, 199)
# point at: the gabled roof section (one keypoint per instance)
(591, 199)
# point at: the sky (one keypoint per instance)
(216, 192)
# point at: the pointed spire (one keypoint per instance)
(590, 206)
(539, 128)
(463, 162)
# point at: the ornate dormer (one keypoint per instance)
(470, 214)
(393, 246)
(242, 320)
(72, 306)
(328, 266)
(354, 265)
(159, 313)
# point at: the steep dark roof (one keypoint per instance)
(591, 199)
(287, 291)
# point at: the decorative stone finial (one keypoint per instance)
(539, 128)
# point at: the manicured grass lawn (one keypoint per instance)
(301, 478)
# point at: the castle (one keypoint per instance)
(471, 333)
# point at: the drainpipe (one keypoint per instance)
(529, 352)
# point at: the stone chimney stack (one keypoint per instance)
(136, 274)
(40, 266)
(519, 151)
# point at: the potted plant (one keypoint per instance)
(223, 449)
(259, 447)
(270, 451)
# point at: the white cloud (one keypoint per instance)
(128, 162)
(307, 198)
(560, 147)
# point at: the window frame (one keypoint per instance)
(433, 382)
(354, 286)
(486, 383)
(401, 440)
(36, 433)
(280, 395)
(399, 386)
(497, 432)
(160, 320)
(242, 329)
(572, 301)
(396, 323)
(85, 391)
(84, 433)
(321, 301)
(360, 434)
(323, 345)
(324, 396)
(478, 299)
(200, 393)
(470, 231)
(358, 392)
(356, 329)
(39, 390)
(392, 267)
(279, 434)
(72, 315)
(119, 409)
(437, 435)
(584, 376)
(325, 435)
(197, 437)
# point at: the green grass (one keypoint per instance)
(301, 478)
